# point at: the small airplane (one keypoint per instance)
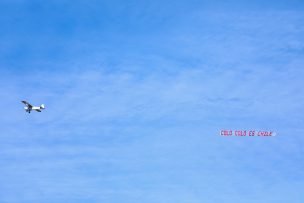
(28, 107)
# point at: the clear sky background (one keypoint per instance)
(136, 93)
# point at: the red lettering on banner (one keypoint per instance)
(251, 133)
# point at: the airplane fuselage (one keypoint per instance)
(33, 108)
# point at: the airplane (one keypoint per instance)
(28, 107)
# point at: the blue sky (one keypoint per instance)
(136, 93)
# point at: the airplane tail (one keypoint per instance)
(42, 106)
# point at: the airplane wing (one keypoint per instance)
(38, 110)
(27, 104)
